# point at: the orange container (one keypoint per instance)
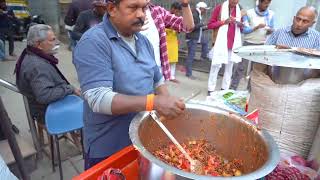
(125, 160)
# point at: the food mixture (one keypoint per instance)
(213, 163)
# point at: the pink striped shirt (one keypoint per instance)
(164, 19)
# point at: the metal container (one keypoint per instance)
(231, 135)
(285, 66)
(288, 75)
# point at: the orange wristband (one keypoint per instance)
(149, 103)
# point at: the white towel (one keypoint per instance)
(220, 55)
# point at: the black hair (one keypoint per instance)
(116, 2)
(260, 1)
(176, 5)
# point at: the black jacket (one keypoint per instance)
(40, 82)
(197, 25)
(75, 8)
(85, 21)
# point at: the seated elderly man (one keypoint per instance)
(300, 33)
(37, 74)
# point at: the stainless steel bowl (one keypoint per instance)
(231, 135)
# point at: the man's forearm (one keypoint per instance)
(124, 104)
(187, 18)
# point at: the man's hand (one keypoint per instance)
(168, 106)
(282, 46)
(77, 92)
(204, 27)
(262, 25)
(227, 21)
(230, 20)
(239, 23)
(269, 31)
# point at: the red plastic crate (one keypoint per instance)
(125, 160)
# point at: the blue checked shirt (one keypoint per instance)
(284, 36)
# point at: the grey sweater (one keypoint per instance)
(41, 84)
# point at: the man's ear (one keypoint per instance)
(38, 45)
(111, 9)
(314, 21)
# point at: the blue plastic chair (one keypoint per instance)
(63, 116)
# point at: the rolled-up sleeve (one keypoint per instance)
(247, 28)
(93, 63)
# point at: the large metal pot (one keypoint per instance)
(288, 75)
(231, 135)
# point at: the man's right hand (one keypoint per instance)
(227, 21)
(262, 25)
(168, 106)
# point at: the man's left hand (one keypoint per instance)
(204, 27)
(77, 92)
(240, 24)
(269, 31)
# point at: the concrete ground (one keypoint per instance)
(73, 162)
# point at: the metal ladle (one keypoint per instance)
(195, 165)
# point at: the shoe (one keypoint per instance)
(192, 77)
(174, 80)
(205, 59)
(209, 93)
(13, 55)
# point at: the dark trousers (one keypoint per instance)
(241, 69)
(8, 34)
(192, 47)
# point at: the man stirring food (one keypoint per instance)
(118, 77)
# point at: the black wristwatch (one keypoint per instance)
(184, 4)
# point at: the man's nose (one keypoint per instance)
(299, 23)
(141, 13)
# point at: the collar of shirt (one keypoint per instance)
(199, 12)
(289, 30)
(261, 13)
(111, 31)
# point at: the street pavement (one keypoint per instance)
(72, 160)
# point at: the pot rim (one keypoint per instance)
(268, 167)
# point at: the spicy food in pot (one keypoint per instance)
(213, 163)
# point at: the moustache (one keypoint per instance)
(139, 22)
